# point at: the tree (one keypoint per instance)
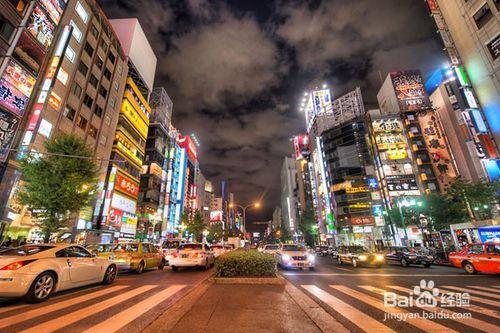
(308, 226)
(58, 183)
(215, 232)
(442, 211)
(479, 198)
(195, 225)
(283, 234)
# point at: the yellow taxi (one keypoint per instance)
(136, 256)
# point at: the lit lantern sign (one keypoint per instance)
(185, 141)
(16, 86)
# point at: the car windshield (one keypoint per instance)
(357, 249)
(126, 247)
(217, 247)
(190, 247)
(293, 247)
(26, 250)
(171, 244)
(271, 247)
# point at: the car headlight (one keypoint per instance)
(311, 257)
(285, 257)
(362, 257)
(379, 257)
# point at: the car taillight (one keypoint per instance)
(175, 254)
(199, 255)
(16, 265)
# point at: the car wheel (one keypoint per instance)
(354, 263)
(41, 288)
(162, 264)
(469, 268)
(109, 275)
(207, 265)
(339, 261)
(175, 268)
(404, 262)
(140, 268)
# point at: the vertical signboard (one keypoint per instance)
(410, 90)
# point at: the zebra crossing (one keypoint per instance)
(350, 306)
(91, 312)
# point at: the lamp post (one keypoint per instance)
(244, 209)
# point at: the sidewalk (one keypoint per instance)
(245, 308)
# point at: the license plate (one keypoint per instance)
(300, 264)
(185, 256)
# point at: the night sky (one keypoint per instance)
(236, 71)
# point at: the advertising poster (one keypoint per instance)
(402, 185)
(387, 125)
(41, 27)
(410, 91)
(301, 145)
(8, 128)
(54, 8)
(436, 144)
(126, 185)
(363, 220)
(16, 86)
(129, 225)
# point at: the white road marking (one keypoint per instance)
(470, 291)
(355, 316)
(375, 274)
(421, 323)
(485, 289)
(73, 317)
(473, 298)
(128, 315)
(15, 319)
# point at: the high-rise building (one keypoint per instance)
(83, 82)
(470, 31)
(289, 188)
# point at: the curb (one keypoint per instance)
(271, 280)
(322, 319)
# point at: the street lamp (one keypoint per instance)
(244, 209)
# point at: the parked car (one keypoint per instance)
(359, 256)
(271, 248)
(406, 256)
(192, 255)
(37, 271)
(98, 249)
(478, 257)
(294, 256)
(321, 250)
(169, 246)
(136, 256)
(218, 249)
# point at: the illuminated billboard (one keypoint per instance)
(389, 138)
(410, 90)
(8, 128)
(126, 185)
(16, 86)
(401, 185)
(301, 145)
(216, 216)
(185, 141)
(319, 102)
(54, 8)
(41, 27)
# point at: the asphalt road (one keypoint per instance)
(128, 305)
(355, 297)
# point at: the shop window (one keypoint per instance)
(88, 49)
(69, 112)
(103, 91)
(88, 101)
(93, 131)
(98, 111)
(6, 29)
(81, 122)
(76, 89)
(482, 16)
(81, 12)
(82, 68)
(93, 81)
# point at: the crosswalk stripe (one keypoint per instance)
(471, 307)
(73, 317)
(474, 298)
(485, 289)
(125, 317)
(470, 291)
(471, 322)
(357, 317)
(12, 307)
(15, 319)
(423, 324)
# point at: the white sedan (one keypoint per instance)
(295, 256)
(271, 248)
(192, 255)
(36, 271)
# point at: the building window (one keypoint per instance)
(104, 46)
(93, 131)
(77, 33)
(93, 80)
(82, 12)
(107, 120)
(497, 4)
(6, 29)
(76, 89)
(70, 54)
(120, 69)
(69, 112)
(98, 111)
(103, 91)
(112, 102)
(82, 68)
(116, 85)
(88, 49)
(99, 62)
(107, 74)
(482, 16)
(88, 101)
(103, 140)
(94, 31)
(112, 58)
(81, 122)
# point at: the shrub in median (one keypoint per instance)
(241, 263)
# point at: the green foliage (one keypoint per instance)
(241, 263)
(216, 233)
(55, 185)
(282, 234)
(195, 224)
(481, 196)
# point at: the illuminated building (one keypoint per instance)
(177, 174)
(118, 212)
(83, 82)
(470, 31)
(289, 194)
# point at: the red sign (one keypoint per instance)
(301, 145)
(488, 145)
(115, 218)
(185, 142)
(126, 185)
(363, 220)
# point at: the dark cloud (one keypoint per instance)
(235, 70)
